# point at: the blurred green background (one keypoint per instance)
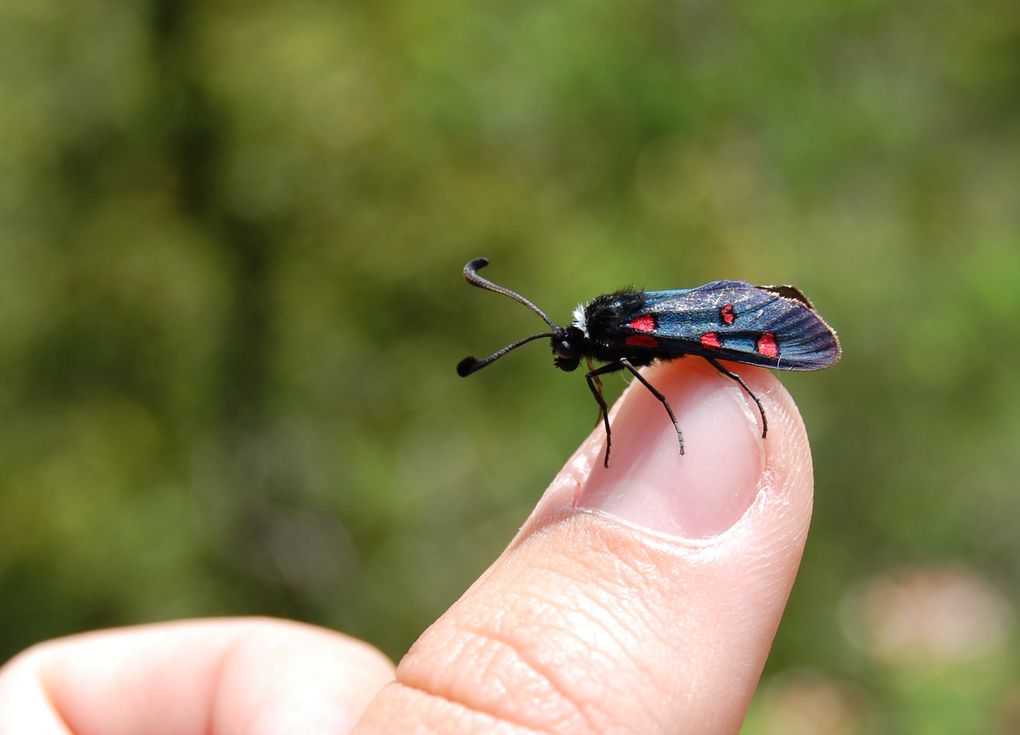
(231, 237)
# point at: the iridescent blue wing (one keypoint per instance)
(772, 326)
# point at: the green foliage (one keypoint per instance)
(230, 248)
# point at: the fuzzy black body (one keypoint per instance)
(604, 320)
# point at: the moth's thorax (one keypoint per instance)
(603, 315)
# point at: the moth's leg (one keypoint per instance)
(598, 385)
(730, 374)
(662, 399)
(595, 386)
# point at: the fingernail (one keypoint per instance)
(700, 493)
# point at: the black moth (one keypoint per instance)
(771, 326)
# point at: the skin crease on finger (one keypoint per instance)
(588, 623)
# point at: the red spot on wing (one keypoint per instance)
(767, 345)
(643, 323)
(727, 315)
(641, 340)
(710, 340)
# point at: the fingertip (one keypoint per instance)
(725, 466)
(651, 484)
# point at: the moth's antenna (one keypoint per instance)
(469, 364)
(472, 277)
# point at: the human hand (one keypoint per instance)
(639, 599)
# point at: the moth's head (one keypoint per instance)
(568, 348)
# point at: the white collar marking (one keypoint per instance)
(579, 320)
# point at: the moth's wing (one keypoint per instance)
(732, 320)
